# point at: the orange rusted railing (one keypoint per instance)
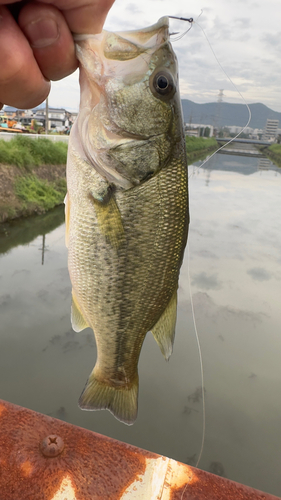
(42, 458)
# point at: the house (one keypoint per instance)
(59, 118)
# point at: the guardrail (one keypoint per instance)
(42, 458)
(7, 136)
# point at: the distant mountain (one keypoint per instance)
(225, 114)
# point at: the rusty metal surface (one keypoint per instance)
(42, 458)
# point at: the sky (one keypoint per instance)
(245, 36)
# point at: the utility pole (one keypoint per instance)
(47, 116)
(218, 114)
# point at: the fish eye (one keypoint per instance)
(163, 84)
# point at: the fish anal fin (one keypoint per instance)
(77, 319)
(109, 221)
(66, 211)
(120, 400)
(164, 330)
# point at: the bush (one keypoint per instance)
(41, 193)
(275, 148)
(25, 152)
(199, 143)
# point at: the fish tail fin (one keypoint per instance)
(120, 400)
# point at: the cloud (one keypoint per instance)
(273, 40)
(244, 44)
(259, 274)
(207, 282)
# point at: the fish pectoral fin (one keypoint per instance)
(109, 221)
(164, 330)
(66, 211)
(77, 319)
(120, 400)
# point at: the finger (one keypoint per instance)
(83, 16)
(21, 82)
(50, 38)
(89, 18)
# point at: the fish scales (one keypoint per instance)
(126, 235)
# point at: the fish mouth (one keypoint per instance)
(142, 36)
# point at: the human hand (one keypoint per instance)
(38, 46)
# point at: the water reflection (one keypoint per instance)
(206, 281)
(217, 468)
(22, 232)
(60, 413)
(69, 342)
(235, 271)
(242, 165)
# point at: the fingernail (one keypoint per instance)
(42, 32)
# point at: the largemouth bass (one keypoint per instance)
(126, 206)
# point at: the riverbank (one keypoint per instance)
(32, 173)
(198, 147)
(273, 152)
(32, 176)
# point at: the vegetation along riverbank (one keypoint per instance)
(32, 173)
(198, 147)
(32, 176)
(273, 152)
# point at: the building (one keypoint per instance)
(60, 119)
(57, 117)
(270, 131)
(198, 130)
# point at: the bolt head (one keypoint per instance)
(52, 446)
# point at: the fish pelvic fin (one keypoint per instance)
(120, 400)
(109, 221)
(77, 319)
(164, 330)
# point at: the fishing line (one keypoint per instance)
(201, 367)
(200, 359)
(191, 21)
(237, 90)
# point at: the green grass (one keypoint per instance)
(40, 193)
(273, 152)
(276, 149)
(199, 143)
(25, 152)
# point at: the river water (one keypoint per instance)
(235, 276)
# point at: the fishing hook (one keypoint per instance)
(190, 20)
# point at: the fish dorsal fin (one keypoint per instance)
(77, 319)
(164, 330)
